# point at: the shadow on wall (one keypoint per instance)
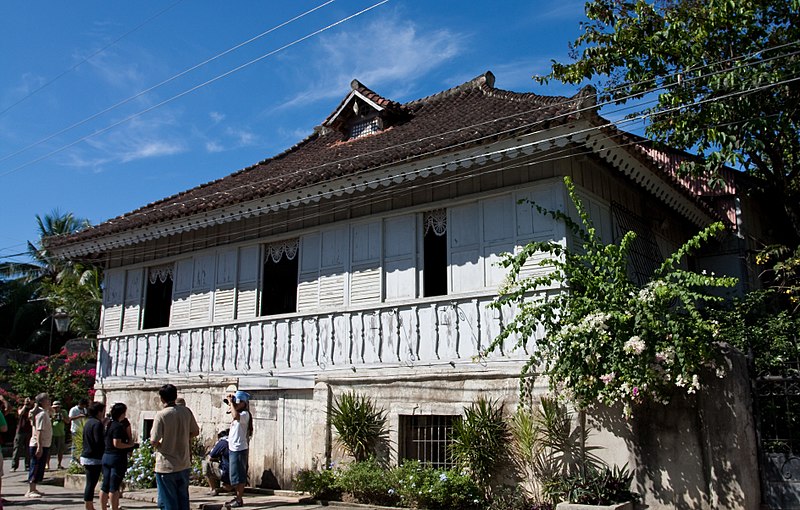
(268, 480)
(697, 452)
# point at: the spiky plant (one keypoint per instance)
(359, 424)
(480, 439)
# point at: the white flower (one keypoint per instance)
(634, 345)
(607, 378)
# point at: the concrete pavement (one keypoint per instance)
(57, 497)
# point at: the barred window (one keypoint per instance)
(364, 128)
(426, 438)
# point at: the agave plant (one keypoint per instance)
(360, 426)
(480, 439)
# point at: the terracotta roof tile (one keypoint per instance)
(464, 116)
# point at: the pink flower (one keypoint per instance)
(91, 372)
(635, 391)
(40, 369)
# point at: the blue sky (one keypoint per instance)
(66, 63)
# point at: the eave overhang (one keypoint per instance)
(581, 133)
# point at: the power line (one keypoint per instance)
(388, 193)
(107, 128)
(157, 85)
(196, 87)
(94, 54)
(567, 101)
(378, 181)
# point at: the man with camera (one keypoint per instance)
(22, 436)
(238, 443)
(173, 429)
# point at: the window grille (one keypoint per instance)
(364, 128)
(426, 438)
(645, 256)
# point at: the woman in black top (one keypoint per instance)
(115, 459)
(94, 445)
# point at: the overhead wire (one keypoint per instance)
(135, 115)
(377, 196)
(572, 112)
(192, 89)
(86, 59)
(161, 83)
(210, 222)
(266, 180)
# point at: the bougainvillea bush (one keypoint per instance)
(64, 376)
(607, 338)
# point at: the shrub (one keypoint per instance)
(424, 487)
(320, 484)
(593, 487)
(198, 452)
(480, 439)
(641, 341)
(514, 498)
(368, 482)
(75, 468)
(141, 467)
(77, 444)
(360, 426)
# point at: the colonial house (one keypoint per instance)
(365, 256)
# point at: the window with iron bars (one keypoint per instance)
(426, 438)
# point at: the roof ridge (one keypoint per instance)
(479, 82)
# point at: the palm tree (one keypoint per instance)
(51, 283)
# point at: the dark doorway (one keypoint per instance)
(158, 301)
(434, 281)
(279, 289)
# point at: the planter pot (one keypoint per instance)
(628, 505)
(74, 481)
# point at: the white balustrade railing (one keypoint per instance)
(405, 334)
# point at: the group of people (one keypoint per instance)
(105, 448)
(108, 440)
(59, 420)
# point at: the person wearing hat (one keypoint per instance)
(39, 445)
(238, 443)
(216, 467)
(171, 436)
(59, 445)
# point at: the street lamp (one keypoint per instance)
(60, 319)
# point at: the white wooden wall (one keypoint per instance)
(352, 265)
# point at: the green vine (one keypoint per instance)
(606, 338)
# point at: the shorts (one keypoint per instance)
(238, 467)
(59, 445)
(114, 467)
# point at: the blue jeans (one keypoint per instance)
(173, 490)
(238, 466)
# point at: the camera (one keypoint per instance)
(232, 400)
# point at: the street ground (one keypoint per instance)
(57, 497)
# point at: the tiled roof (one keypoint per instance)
(474, 113)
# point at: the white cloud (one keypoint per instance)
(150, 149)
(241, 137)
(389, 53)
(216, 117)
(232, 138)
(213, 146)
